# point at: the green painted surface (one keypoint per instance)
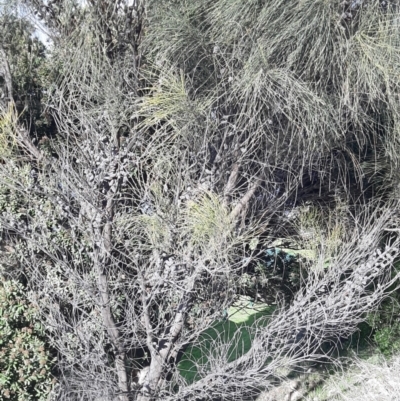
(226, 339)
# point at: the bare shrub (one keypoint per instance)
(167, 178)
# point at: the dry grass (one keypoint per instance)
(8, 120)
(374, 379)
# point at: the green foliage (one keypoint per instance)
(208, 221)
(388, 339)
(168, 100)
(11, 202)
(386, 325)
(25, 361)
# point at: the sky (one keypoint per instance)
(40, 31)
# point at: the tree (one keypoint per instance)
(183, 141)
(24, 72)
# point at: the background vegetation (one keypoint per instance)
(162, 161)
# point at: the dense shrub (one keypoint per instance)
(25, 361)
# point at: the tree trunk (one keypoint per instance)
(112, 330)
(159, 358)
(5, 71)
(103, 260)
